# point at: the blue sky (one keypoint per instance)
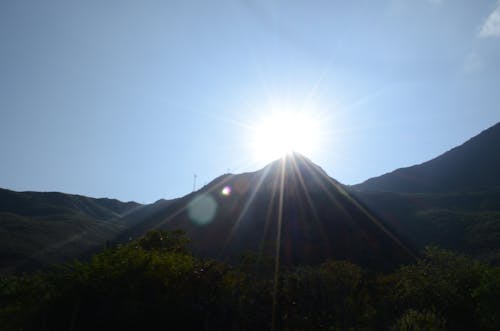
(129, 99)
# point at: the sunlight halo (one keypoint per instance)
(284, 132)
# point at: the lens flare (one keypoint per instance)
(202, 209)
(226, 191)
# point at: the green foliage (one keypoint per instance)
(333, 295)
(487, 295)
(414, 320)
(21, 298)
(442, 282)
(154, 281)
(40, 229)
(172, 241)
(466, 222)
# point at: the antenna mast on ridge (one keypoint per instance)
(194, 182)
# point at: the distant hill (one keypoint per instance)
(37, 229)
(292, 201)
(473, 165)
(452, 201)
(468, 222)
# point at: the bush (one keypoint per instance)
(154, 282)
(413, 320)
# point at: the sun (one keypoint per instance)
(284, 132)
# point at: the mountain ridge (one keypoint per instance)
(41, 228)
(452, 201)
(470, 166)
(291, 200)
(330, 220)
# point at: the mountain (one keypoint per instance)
(452, 201)
(37, 229)
(473, 165)
(291, 205)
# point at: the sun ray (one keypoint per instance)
(324, 188)
(374, 220)
(268, 218)
(309, 201)
(248, 202)
(278, 241)
(184, 207)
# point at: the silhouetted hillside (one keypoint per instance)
(468, 222)
(40, 203)
(452, 201)
(37, 229)
(291, 201)
(472, 166)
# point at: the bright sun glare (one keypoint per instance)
(284, 132)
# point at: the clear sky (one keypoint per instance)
(129, 99)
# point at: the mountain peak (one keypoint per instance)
(291, 207)
(290, 157)
(294, 163)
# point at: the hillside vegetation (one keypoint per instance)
(452, 200)
(38, 229)
(155, 282)
(467, 222)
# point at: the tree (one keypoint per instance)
(413, 320)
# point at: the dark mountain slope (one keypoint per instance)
(37, 229)
(472, 166)
(452, 201)
(291, 202)
(468, 222)
(40, 203)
